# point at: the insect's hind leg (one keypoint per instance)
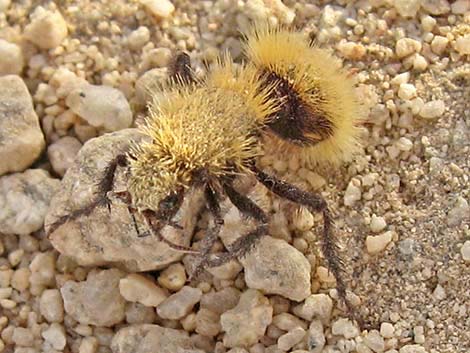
(315, 203)
(104, 186)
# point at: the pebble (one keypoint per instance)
(377, 224)
(316, 306)
(375, 341)
(221, 301)
(173, 277)
(138, 38)
(180, 304)
(246, 323)
(288, 322)
(352, 50)
(207, 323)
(465, 251)
(147, 84)
(11, 58)
(378, 243)
(20, 132)
(4, 5)
(316, 337)
(407, 8)
(462, 45)
(55, 335)
(291, 338)
(97, 300)
(436, 7)
(23, 337)
(152, 338)
(101, 106)
(88, 345)
(137, 288)
(159, 8)
(459, 212)
(439, 293)
(432, 109)
(43, 269)
(353, 193)
(51, 305)
(404, 144)
(275, 267)
(62, 153)
(137, 313)
(345, 328)
(439, 44)
(407, 46)
(404, 77)
(387, 330)
(20, 279)
(460, 7)
(406, 91)
(24, 200)
(412, 348)
(47, 29)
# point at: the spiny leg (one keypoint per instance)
(315, 203)
(246, 243)
(156, 220)
(180, 69)
(101, 199)
(212, 234)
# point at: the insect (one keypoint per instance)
(206, 133)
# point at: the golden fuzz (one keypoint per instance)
(206, 126)
(315, 77)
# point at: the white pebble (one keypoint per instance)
(47, 29)
(291, 338)
(62, 153)
(55, 335)
(88, 345)
(11, 58)
(428, 23)
(462, 44)
(465, 251)
(413, 348)
(159, 8)
(439, 44)
(137, 288)
(407, 91)
(345, 328)
(374, 341)
(376, 244)
(404, 144)
(173, 277)
(460, 7)
(404, 77)
(138, 38)
(407, 46)
(23, 337)
(387, 330)
(407, 8)
(51, 305)
(432, 109)
(377, 224)
(439, 293)
(353, 193)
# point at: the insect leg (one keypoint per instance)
(180, 69)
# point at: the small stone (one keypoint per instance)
(374, 341)
(148, 84)
(137, 288)
(51, 305)
(465, 251)
(419, 63)
(23, 337)
(43, 269)
(345, 328)
(227, 271)
(4, 5)
(20, 279)
(96, 301)
(88, 345)
(137, 313)
(275, 267)
(439, 293)
(460, 7)
(407, 247)
(15, 257)
(407, 91)
(432, 109)
(378, 243)
(353, 193)
(47, 29)
(436, 7)
(20, 133)
(62, 153)
(291, 338)
(404, 77)
(5, 293)
(316, 306)
(352, 50)
(404, 144)
(245, 324)
(152, 338)
(407, 8)
(316, 337)
(138, 38)
(180, 304)
(11, 58)
(387, 330)
(325, 275)
(24, 200)
(159, 8)
(377, 224)
(462, 45)
(407, 46)
(439, 44)
(459, 212)
(55, 335)
(207, 323)
(173, 277)
(221, 301)
(412, 348)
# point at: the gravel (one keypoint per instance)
(78, 290)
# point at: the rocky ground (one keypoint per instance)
(76, 69)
